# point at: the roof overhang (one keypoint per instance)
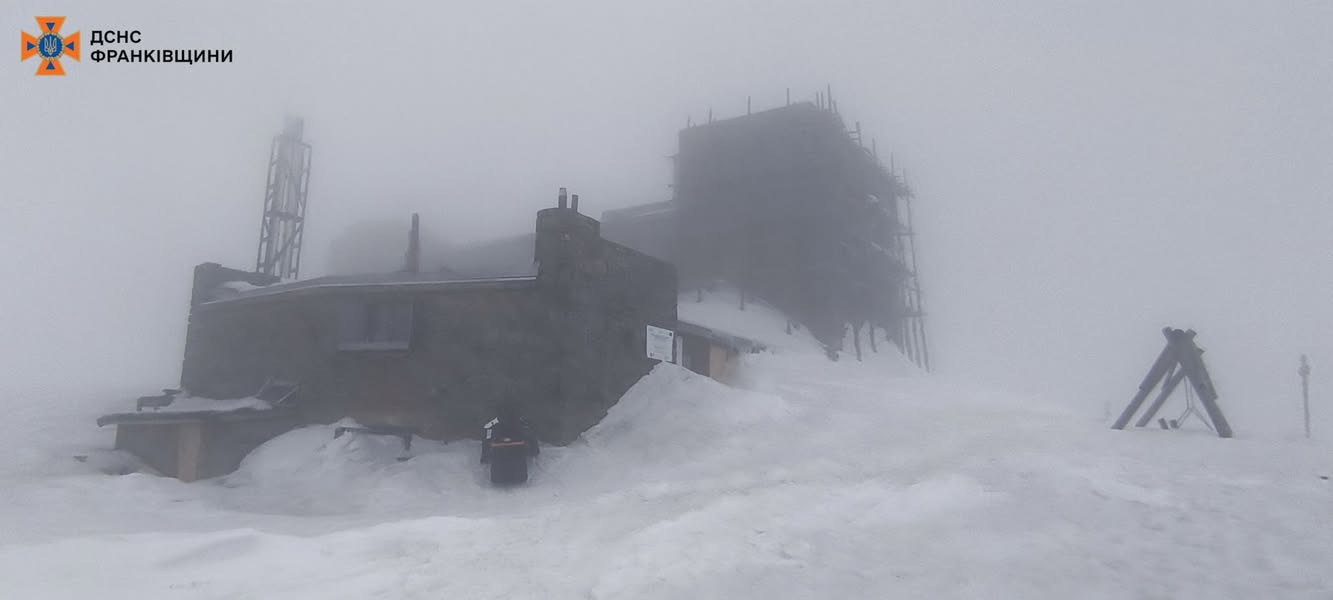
(198, 416)
(325, 285)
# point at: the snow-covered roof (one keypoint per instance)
(189, 408)
(719, 311)
(197, 404)
(722, 337)
(234, 292)
(642, 210)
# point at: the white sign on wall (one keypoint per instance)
(661, 343)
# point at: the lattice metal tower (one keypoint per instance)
(285, 198)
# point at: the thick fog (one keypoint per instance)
(1086, 172)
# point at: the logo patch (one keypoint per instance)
(49, 46)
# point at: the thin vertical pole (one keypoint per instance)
(908, 339)
(412, 263)
(925, 345)
(916, 280)
(1304, 372)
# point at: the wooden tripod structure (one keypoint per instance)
(1180, 360)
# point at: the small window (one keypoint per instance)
(376, 325)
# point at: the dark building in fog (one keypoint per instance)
(786, 204)
(563, 337)
(791, 207)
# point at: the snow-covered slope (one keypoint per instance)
(815, 479)
(720, 309)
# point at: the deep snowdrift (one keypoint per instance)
(818, 479)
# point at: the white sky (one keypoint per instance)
(1087, 172)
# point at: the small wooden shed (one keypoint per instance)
(710, 352)
(192, 445)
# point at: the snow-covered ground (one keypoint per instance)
(812, 479)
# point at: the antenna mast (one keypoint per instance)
(285, 197)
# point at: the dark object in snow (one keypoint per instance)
(403, 433)
(507, 445)
(156, 402)
(1181, 359)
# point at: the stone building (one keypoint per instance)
(437, 351)
(789, 205)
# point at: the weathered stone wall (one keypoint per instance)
(564, 346)
(601, 297)
(470, 348)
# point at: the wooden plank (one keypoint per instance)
(1167, 388)
(1164, 362)
(189, 443)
